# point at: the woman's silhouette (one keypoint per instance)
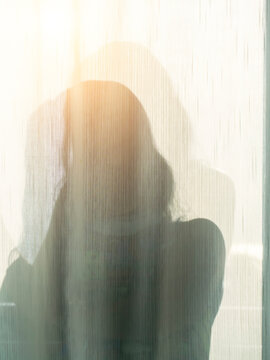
(112, 254)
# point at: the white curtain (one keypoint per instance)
(193, 70)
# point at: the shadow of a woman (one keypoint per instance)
(113, 255)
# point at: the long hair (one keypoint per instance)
(79, 130)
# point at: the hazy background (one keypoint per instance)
(197, 67)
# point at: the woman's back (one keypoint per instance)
(168, 294)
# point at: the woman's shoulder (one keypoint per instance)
(199, 239)
(16, 281)
(198, 230)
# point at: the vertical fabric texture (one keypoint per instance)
(131, 165)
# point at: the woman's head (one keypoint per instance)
(115, 165)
